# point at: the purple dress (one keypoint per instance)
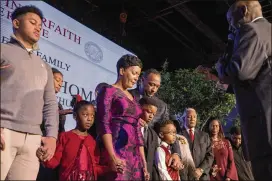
(118, 115)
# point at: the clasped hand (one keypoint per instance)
(175, 162)
(118, 165)
(47, 151)
(198, 173)
(215, 170)
(146, 174)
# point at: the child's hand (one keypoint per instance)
(40, 154)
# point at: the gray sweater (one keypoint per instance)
(27, 91)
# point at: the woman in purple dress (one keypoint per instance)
(118, 126)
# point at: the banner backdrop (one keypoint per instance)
(84, 57)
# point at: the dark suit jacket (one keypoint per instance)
(249, 72)
(150, 147)
(162, 112)
(201, 150)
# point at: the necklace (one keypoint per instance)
(215, 139)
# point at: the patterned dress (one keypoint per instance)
(118, 115)
(224, 159)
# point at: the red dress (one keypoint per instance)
(224, 159)
(66, 152)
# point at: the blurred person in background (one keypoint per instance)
(243, 167)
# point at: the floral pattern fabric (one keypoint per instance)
(118, 115)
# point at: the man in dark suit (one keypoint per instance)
(148, 85)
(200, 145)
(249, 72)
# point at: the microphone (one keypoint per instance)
(229, 49)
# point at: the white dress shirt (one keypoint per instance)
(30, 50)
(256, 19)
(160, 162)
(188, 130)
(142, 130)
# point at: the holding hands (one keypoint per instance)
(40, 154)
(47, 151)
(175, 162)
(117, 164)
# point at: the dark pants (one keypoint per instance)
(262, 168)
(47, 174)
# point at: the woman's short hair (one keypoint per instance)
(127, 61)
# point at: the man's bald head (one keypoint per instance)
(243, 11)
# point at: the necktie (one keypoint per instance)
(191, 134)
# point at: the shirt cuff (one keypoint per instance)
(52, 133)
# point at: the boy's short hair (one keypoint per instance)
(81, 104)
(161, 124)
(148, 101)
(26, 9)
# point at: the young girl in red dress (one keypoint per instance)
(76, 152)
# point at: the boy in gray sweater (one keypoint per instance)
(27, 99)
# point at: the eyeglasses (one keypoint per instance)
(171, 133)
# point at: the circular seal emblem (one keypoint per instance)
(93, 52)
